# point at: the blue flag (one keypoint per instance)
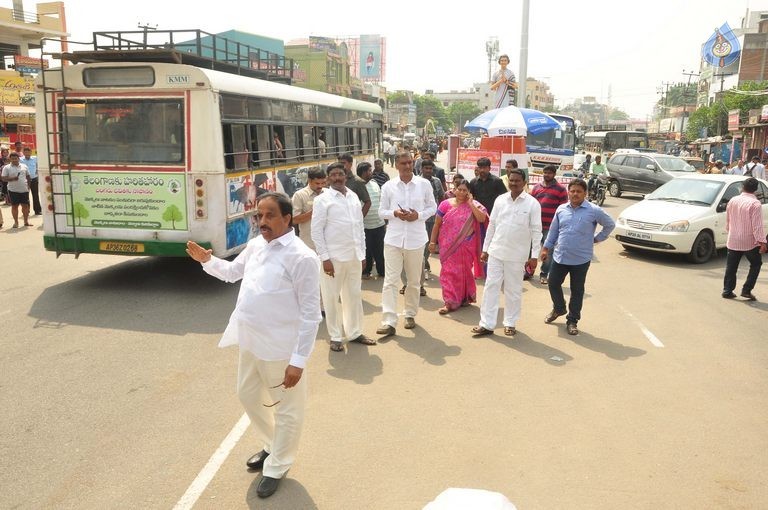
(722, 48)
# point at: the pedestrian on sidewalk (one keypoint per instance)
(746, 237)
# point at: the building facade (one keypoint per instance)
(22, 31)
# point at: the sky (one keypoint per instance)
(586, 48)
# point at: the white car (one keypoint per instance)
(685, 215)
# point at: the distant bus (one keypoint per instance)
(605, 143)
(554, 147)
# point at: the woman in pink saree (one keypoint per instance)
(458, 224)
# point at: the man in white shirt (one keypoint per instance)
(17, 177)
(274, 323)
(406, 202)
(755, 169)
(514, 237)
(737, 169)
(337, 231)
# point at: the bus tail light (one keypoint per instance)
(201, 198)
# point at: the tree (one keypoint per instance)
(460, 113)
(398, 97)
(617, 114)
(80, 212)
(172, 214)
(679, 95)
(429, 107)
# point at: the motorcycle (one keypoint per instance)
(598, 190)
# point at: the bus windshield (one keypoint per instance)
(126, 131)
(564, 138)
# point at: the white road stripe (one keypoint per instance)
(650, 336)
(205, 476)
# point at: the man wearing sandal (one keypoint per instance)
(274, 323)
(514, 237)
(339, 237)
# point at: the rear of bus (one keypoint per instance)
(123, 169)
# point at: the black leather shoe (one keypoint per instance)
(749, 296)
(571, 328)
(728, 295)
(267, 486)
(257, 461)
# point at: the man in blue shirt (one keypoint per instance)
(572, 235)
(31, 163)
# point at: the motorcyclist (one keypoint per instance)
(597, 169)
(584, 168)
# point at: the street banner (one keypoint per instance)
(467, 161)
(722, 48)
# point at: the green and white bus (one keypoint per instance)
(137, 158)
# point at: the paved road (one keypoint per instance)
(114, 395)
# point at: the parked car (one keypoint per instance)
(685, 215)
(696, 163)
(632, 171)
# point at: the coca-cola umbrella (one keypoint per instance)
(512, 120)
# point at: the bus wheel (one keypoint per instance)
(614, 189)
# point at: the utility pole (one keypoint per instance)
(523, 78)
(147, 27)
(720, 110)
(685, 101)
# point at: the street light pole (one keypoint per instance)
(521, 84)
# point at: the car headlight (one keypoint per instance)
(676, 226)
(622, 220)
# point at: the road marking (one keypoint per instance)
(205, 476)
(647, 332)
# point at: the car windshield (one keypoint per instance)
(688, 191)
(672, 164)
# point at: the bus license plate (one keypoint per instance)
(115, 247)
(639, 235)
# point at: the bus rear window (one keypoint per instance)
(126, 131)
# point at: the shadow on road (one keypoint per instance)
(355, 363)
(524, 344)
(610, 348)
(290, 494)
(149, 294)
(432, 350)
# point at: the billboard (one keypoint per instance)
(370, 58)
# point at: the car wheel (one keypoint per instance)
(614, 189)
(703, 248)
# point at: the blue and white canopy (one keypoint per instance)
(512, 120)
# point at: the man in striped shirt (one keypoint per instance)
(746, 236)
(550, 195)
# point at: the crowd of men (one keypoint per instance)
(348, 222)
(19, 178)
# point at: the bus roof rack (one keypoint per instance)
(194, 47)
